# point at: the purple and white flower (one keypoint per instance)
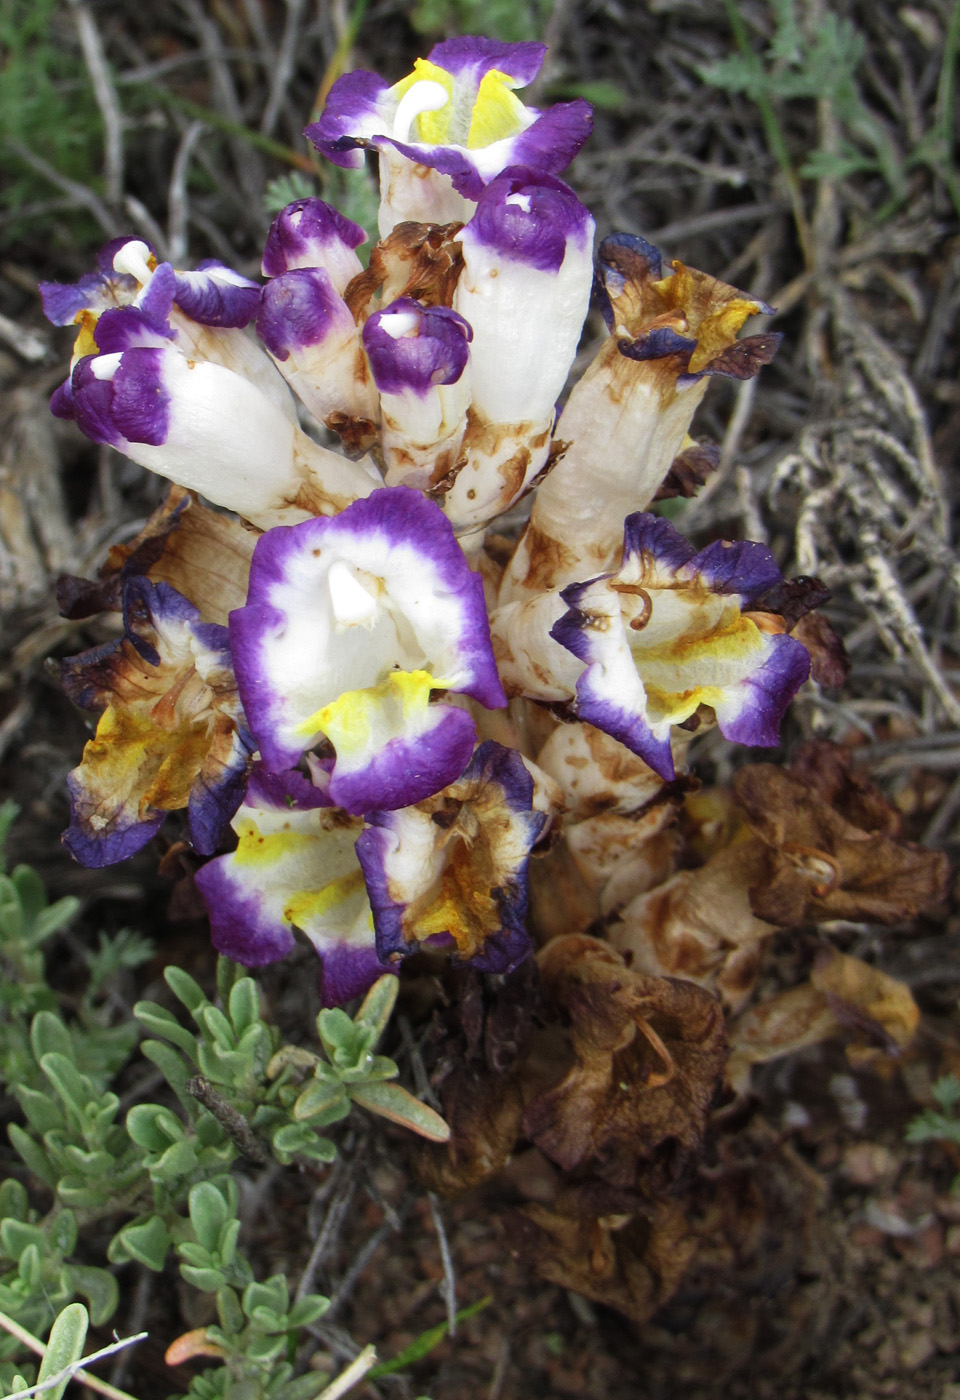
(315, 343)
(453, 868)
(200, 424)
(671, 630)
(171, 733)
(295, 867)
(419, 356)
(311, 233)
(351, 622)
(525, 290)
(454, 117)
(627, 418)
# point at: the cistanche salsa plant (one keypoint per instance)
(431, 728)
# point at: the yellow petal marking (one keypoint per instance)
(719, 330)
(307, 905)
(257, 848)
(349, 722)
(496, 112)
(85, 344)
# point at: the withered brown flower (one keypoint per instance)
(647, 1053)
(832, 844)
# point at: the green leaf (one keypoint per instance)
(153, 1127)
(174, 1071)
(209, 1212)
(62, 1232)
(228, 971)
(9, 811)
(185, 989)
(49, 1036)
(392, 1102)
(64, 1347)
(100, 1289)
(213, 1021)
(244, 1005)
(425, 1343)
(229, 1311)
(208, 1280)
(146, 1240)
(377, 1006)
(16, 1236)
(318, 1099)
(159, 1021)
(31, 892)
(272, 1296)
(307, 1310)
(42, 1113)
(13, 1199)
(54, 918)
(75, 1091)
(946, 1091)
(33, 1155)
(338, 1033)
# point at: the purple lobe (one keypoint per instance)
(216, 301)
(301, 233)
(435, 352)
(353, 97)
(406, 771)
(529, 217)
(470, 57)
(298, 309)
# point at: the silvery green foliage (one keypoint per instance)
(257, 1323)
(240, 1092)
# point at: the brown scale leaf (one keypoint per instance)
(648, 1056)
(423, 261)
(203, 554)
(689, 470)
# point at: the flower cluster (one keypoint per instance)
(344, 662)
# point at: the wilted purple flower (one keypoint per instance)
(171, 733)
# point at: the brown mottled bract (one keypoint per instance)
(689, 470)
(203, 554)
(423, 261)
(699, 924)
(649, 1053)
(548, 558)
(483, 439)
(824, 865)
(356, 434)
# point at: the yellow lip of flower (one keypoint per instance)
(306, 905)
(358, 719)
(495, 113)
